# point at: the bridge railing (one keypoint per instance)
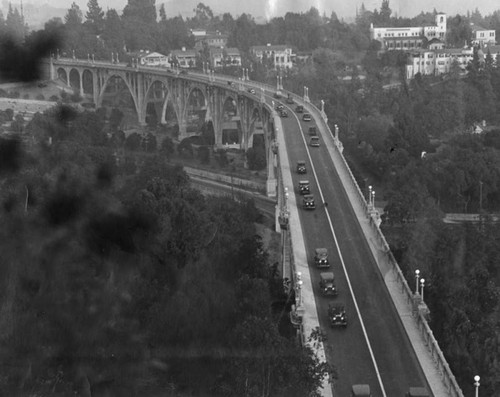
(448, 378)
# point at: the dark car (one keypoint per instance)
(306, 117)
(337, 316)
(314, 141)
(313, 131)
(279, 107)
(304, 187)
(299, 109)
(289, 100)
(251, 91)
(301, 167)
(321, 257)
(327, 284)
(308, 202)
(283, 113)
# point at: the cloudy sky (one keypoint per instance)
(270, 8)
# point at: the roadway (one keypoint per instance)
(388, 362)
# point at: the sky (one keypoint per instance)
(270, 8)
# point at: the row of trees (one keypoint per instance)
(133, 283)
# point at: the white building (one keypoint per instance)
(482, 36)
(281, 55)
(184, 58)
(437, 62)
(407, 38)
(227, 56)
(153, 59)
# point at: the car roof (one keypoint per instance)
(327, 275)
(301, 162)
(303, 181)
(418, 392)
(323, 251)
(361, 390)
(309, 196)
(314, 138)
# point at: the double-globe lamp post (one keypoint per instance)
(476, 383)
(417, 274)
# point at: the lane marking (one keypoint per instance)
(340, 254)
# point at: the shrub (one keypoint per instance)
(40, 97)
(256, 158)
(9, 114)
(204, 154)
(54, 98)
(222, 158)
(76, 97)
(26, 96)
(185, 148)
(133, 142)
(167, 146)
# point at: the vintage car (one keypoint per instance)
(308, 202)
(337, 316)
(279, 107)
(321, 257)
(301, 167)
(313, 131)
(251, 91)
(327, 284)
(417, 392)
(289, 100)
(299, 109)
(283, 113)
(306, 117)
(360, 391)
(304, 187)
(314, 141)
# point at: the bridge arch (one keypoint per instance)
(256, 135)
(196, 109)
(62, 75)
(231, 124)
(87, 82)
(155, 101)
(74, 79)
(117, 92)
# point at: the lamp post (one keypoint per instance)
(422, 284)
(248, 77)
(476, 383)
(373, 199)
(369, 196)
(417, 274)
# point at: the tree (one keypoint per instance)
(203, 15)
(256, 158)
(113, 33)
(139, 24)
(95, 17)
(74, 17)
(14, 25)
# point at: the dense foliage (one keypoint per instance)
(413, 137)
(126, 281)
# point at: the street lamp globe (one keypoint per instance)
(417, 274)
(476, 383)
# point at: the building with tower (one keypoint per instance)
(409, 38)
